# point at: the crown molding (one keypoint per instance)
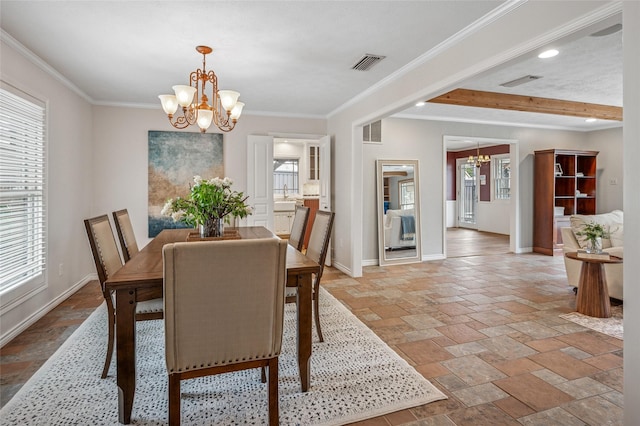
(40, 63)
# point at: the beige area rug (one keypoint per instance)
(354, 376)
(610, 326)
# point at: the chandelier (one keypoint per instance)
(478, 160)
(224, 109)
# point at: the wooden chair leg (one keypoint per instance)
(274, 412)
(174, 400)
(317, 312)
(263, 375)
(112, 320)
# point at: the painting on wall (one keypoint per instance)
(174, 159)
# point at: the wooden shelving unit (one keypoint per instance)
(566, 179)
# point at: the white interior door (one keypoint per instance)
(260, 180)
(325, 173)
(325, 182)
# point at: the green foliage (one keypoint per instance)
(593, 231)
(207, 200)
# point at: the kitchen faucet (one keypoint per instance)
(285, 192)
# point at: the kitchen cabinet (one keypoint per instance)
(314, 162)
(283, 221)
(314, 205)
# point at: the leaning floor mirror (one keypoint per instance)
(398, 208)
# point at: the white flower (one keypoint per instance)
(227, 181)
(197, 179)
(177, 216)
(166, 209)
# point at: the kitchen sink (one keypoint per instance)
(284, 206)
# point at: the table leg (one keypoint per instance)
(304, 328)
(593, 293)
(125, 352)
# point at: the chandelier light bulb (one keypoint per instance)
(236, 111)
(205, 116)
(228, 98)
(184, 94)
(169, 104)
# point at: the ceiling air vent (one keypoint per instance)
(367, 61)
(521, 80)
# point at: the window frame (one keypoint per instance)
(296, 188)
(497, 162)
(401, 185)
(13, 294)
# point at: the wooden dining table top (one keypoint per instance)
(146, 268)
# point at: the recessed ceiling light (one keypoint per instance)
(591, 120)
(548, 54)
(419, 104)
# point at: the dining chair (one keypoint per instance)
(125, 234)
(316, 251)
(108, 261)
(299, 227)
(224, 311)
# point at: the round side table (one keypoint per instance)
(593, 293)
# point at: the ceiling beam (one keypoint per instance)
(477, 98)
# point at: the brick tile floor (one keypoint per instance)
(484, 329)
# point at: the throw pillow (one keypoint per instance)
(617, 235)
(578, 221)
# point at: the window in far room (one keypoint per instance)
(407, 192)
(22, 194)
(285, 176)
(501, 176)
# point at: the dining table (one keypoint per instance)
(141, 278)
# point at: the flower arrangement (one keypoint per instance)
(594, 232)
(208, 204)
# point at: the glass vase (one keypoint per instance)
(595, 245)
(213, 227)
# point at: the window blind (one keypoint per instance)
(22, 190)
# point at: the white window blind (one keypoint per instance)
(22, 191)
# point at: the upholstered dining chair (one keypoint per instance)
(317, 251)
(299, 227)
(125, 234)
(224, 311)
(108, 261)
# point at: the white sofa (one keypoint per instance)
(393, 230)
(613, 245)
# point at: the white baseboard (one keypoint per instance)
(342, 268)
(31, 319)
(428, 257)
(370, 262)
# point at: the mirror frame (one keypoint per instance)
(382, 258)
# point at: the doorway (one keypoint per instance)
(484, 200)
(467, 194)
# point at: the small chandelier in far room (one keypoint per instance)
(224, 110)
(478, 160)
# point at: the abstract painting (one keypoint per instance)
(174, 159)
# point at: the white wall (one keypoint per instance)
(70, 190)
(631, 147)
(609, 173)
(423, 140)
(493, 216)
(121, 154)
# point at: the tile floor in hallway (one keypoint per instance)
(485, 330)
